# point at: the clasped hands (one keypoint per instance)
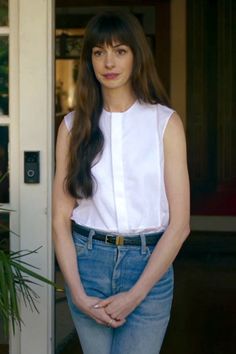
(112, 311)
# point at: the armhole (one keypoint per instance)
(166, 123)
(164, 115)
(68, 120)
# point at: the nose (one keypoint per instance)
(109, 60)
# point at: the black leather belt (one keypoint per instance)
(117, 239)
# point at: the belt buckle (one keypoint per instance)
(107, 239)
(119, 240)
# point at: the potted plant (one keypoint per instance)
(16, 279)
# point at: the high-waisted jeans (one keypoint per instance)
(109, 269)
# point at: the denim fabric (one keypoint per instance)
(106, 270)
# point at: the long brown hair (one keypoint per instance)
(87, 139)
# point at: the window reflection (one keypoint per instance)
(4, 75)
(3, 12)
(4, 177)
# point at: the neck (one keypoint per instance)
(118, 101)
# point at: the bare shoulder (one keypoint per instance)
(63, 132)
(174, 135)
(63, 202)
(63, 138)
(174, 125)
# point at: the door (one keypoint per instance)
(28, 121)
(211, 127)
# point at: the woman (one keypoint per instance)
(121, 194)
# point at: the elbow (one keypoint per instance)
(183, 233)
(186, 232)
(60, 226)
(180, 230)
(56, 221)
(55, 230)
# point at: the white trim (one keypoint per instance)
(13, 121)
(213, 223)
(4, 120)
(31, 105)
(4, 31)
(35, 118)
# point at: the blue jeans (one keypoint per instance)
(106, 270)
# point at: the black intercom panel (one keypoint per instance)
(31, 166)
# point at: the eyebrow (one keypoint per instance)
(114, 46)
(118, 45)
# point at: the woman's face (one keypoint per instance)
(113, 65)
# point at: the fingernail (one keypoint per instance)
(96, 306)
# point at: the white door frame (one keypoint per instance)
(31, 70)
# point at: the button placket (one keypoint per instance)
(118, 170)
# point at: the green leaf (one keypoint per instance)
(4, 176)
(17, 280)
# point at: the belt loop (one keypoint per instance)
(90, 239)
(143, 244)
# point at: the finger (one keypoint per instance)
(119, 323)
(113, 311)
(114, 323)
(112, 314)
(117, 316)
(103, 303)
(111, 322)
(102, 316)
(97, 319)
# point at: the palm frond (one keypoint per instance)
(16, 278)
(4, 176)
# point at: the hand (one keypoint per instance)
(89, 306)
(119, 306)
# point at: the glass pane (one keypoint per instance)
(4, 246)
(4, 178)
(66, 76)
(3, 12)
(4, 76)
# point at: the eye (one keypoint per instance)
(121, 51)
(97, 52)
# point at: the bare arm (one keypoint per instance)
(63, 205)
(177, 189)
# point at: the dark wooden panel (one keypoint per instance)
(226, 79)
(163, 43)
(211, 105)
(78, 3)
(196, 92)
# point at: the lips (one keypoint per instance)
(110, 76)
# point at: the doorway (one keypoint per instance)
(71, 20)
(210, 109)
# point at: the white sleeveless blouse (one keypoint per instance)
(130, 194)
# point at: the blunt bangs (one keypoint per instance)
(109, 29)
